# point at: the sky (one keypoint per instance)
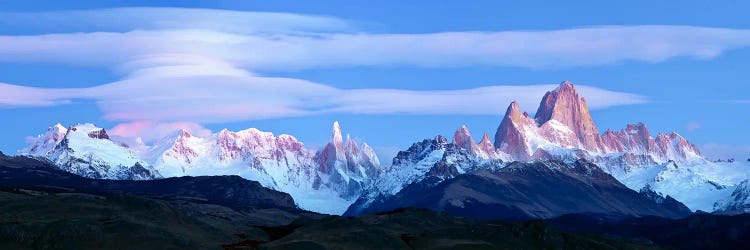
(391, 72)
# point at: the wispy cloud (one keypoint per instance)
(201, 65)
(279, 51)
(156, 18)
(164, 96)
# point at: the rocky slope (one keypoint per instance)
(739, 201)
(23, 172)
(539, 189)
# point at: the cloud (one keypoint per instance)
(202, 65)
(281, 51)
(154, 18)
(693, 126)
(724, 151)
(491, 100)
(177, 94)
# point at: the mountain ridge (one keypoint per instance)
(344, 171)
(279, 162)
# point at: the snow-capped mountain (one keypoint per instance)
(343, 171)
(435, 159)
(563, 129)
(87, 151)
(326, 181)
(739, 201)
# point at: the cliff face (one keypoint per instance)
(512, 137)
(565, 106)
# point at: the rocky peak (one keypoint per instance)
(567, 107)
(181, 149)
(486, 145)
(462, 138)
(565, 86)
(638, 130)
(338, 157)
(99, 134)
(369, 154)
(44, 143)
(57, 129)
(336, 138)
(511, 134)
(184, 133)
(290, 143)
(440, 142)
(514, 111)
(485, 139)
(351, 145)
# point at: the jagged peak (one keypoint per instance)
(486, 145)
(462, 137)
(287, 137)
(336, 137)
(184, 133)
(441, 139)
(637, 128)
(252, 131)
(485, 138)
(55, 131)
(514, 112)
(350, 144)
(463, 130)
(565, 86)
(57, 127)
(564, 97)
(513, 108)
(636, 125)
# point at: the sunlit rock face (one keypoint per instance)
(564, 129)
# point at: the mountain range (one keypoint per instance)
(347, 176)
(49, 208)
(325, 181)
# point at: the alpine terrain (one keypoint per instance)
(325, 181)
(560, 134)
(345, 173)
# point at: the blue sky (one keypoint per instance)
(694, 82)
